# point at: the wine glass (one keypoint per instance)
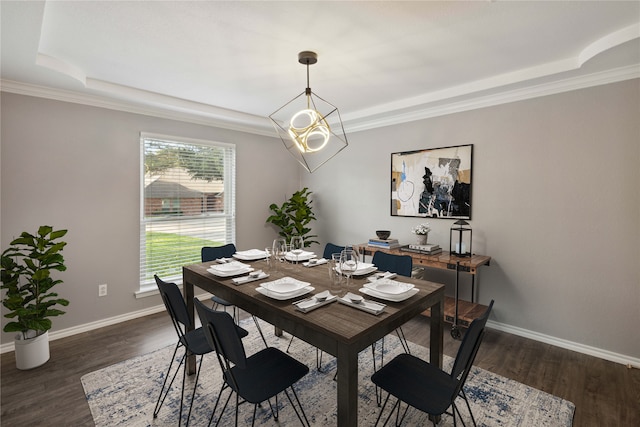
(349, 264)
(297, 246)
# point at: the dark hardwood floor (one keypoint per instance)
(605, 393)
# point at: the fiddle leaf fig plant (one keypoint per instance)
(294, 216)
(26, 275)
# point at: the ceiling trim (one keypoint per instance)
(192, 112)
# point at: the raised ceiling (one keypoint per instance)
(232, 63)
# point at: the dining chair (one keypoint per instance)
(402, 265)
(210, 253)
(254, 379)
(426, 387)
(194, 342)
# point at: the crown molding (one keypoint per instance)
(426, 111)
(192, 112)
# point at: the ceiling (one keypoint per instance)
(232, 63)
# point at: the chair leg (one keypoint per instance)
(195, 386)
(318, 355)
(255, 319)
(304, 422)
(403, 340)
(162, 397)
(464, 396)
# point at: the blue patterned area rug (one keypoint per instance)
(125, 394)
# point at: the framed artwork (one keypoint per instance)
(434, 182)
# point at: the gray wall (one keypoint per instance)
(556, 204)
(78, 167)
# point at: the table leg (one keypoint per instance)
(188, 297)
(347, 387)
(436, 344)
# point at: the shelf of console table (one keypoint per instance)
(458, 312)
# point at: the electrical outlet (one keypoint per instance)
(102, 290)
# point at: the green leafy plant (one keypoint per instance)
(294, 216)
(26, 275)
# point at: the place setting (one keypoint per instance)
(347, 264)
(229, 268)
(285, 288)
(389, 290)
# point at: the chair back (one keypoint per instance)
(330, 248)
(469, 348)
(222, 334)
(175, 305)
(399, 264)
(209, 253)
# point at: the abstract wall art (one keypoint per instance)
(434, 182)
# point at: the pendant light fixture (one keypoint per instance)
(310, 127)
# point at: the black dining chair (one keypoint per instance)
(402, 265)
(211, 253)
(254, 379)
(194, 342)
(426, 387)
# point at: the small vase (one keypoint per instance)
(422, 238)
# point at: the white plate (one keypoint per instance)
(389, 287)
(250, 255)
(229, 266)
(285, 285)
(302, 256)
(388, 297)
(281, 297)
(363, 268)
(230, 273)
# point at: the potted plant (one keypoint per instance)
(294, 216)
(422, 232)
(26, 276)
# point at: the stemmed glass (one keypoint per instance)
(297, 246)
(349, 259)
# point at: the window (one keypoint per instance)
(188, 201)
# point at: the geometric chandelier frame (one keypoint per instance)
(310, 128)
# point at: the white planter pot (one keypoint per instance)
(422, 238)
(32, 352)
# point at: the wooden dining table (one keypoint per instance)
(338, 329)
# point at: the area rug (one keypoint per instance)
(125, 394)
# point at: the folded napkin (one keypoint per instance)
(316, 262)
(247, 279)
(384, 275)
(366, 305)
(313, 302)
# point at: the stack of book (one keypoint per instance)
(384, 243)
(429, 248)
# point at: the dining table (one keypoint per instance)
(336, 328)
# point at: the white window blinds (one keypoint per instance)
(188, 201)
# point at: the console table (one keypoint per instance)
(458, 312)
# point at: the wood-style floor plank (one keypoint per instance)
(605, 393)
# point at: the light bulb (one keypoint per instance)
(309, 131)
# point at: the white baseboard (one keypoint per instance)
(569, 345)
(629, 361)
(6, 347)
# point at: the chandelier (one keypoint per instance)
(310, 127)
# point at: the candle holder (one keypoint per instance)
(460, 239)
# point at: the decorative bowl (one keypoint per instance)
(383, 234)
